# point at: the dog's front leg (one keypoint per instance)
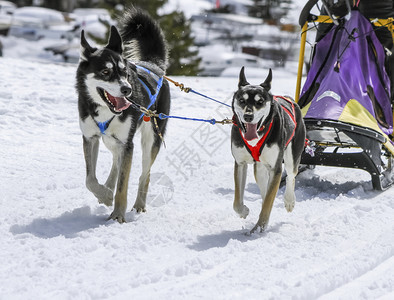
(122, 185)
(113, 175)
(90, 149)
(240, 171)
(268, 195)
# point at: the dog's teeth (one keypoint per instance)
(106, 97)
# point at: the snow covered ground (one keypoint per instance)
(56, 243)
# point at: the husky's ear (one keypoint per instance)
(267, 83)
(115, 41)
(86, 49)
(242, 79)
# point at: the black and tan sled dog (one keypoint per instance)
(129, 69)
(267, 131)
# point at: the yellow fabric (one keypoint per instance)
(305, 109)
(355, 113)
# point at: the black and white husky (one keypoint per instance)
(129, 69)
(267, 130)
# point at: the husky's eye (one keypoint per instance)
(244, 97)
(259, 100)
(106, 72)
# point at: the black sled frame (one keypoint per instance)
(340, 144)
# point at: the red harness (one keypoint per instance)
(255, 151)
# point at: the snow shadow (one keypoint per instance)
(250, 187)
(68, 224)
(314, 186)
(224, 191)
(220, 240)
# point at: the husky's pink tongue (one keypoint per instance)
(120, 103)
(251, 131)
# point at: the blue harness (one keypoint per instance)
(103, 126)
(152, 97)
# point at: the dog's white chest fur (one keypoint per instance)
(119, 130)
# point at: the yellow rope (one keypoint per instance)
(177, 84)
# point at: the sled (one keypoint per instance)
(345, 99)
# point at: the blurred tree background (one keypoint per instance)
(183, 55)
(269, 9)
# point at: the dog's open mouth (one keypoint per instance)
(250, 131)
(115, 104)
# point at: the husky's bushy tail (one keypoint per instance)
(143, 39)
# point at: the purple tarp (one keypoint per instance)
(357, 70)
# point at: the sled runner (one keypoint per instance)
(346, 97)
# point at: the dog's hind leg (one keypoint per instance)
(90, 149)
(240, 172)
(268, 191)
(291, 167)
(150, 148)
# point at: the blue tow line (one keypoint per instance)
(162, 116)
(202, 95)
(187, 90)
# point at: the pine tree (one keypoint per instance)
(183, 60)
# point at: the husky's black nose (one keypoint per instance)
(125, 90)
(248, 117)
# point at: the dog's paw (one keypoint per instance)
(139, 206)
(258, 228)
(242, 212)
(139, 209)
(289, 205)
(106, 201)
(103, 194)
(117, 215)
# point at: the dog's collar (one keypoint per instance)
(103, 126)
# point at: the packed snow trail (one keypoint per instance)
(338, 243)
